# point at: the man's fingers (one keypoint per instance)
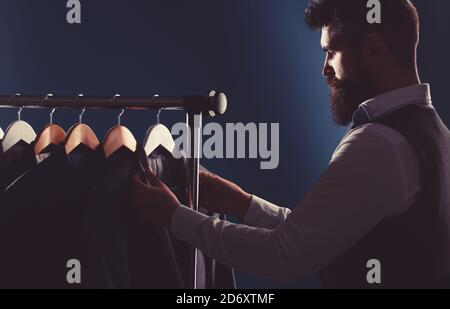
(153, 179)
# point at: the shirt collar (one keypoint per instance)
(395, 99)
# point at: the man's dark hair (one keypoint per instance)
(399, 23)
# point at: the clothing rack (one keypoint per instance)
(215, 103)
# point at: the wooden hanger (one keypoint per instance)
(117, 137)
(50, 134)
(18, 131)
(80, 134)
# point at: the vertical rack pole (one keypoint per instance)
(194, 120)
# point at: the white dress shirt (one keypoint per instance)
(373, 174)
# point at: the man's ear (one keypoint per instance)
(373, 48)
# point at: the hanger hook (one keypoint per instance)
(51, 115)
(79, 96)
(14, 96)
(119, 117)
(158, 116)
(80, 117)
(46, 97)
(53, 110)
(19, 117)
(20, 108)
(159, 111)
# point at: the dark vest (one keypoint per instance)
(413, 248)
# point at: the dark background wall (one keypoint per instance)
(259, 52)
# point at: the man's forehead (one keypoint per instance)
(329, 37)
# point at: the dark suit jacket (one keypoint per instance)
(44, 211)
(126, 252)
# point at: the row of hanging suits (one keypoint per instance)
(67, 196)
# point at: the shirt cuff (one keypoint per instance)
(262, 213)
(185, 222)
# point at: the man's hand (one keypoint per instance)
(222, 196)
(155, 202)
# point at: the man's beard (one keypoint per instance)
(347, 94)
